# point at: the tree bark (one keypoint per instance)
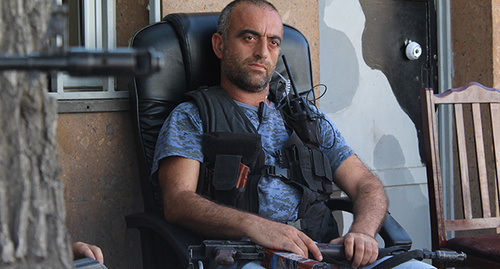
(32, 214)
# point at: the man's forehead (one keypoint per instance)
(261, 19)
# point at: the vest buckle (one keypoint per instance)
(272, 170)
(297, 224)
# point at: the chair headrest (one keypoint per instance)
(195, 31)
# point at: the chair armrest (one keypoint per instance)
(178, 238)
(391, 231)
(394, 234)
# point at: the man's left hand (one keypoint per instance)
(82, 250)
(361, 249)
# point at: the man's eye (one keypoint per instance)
(275, 43)
(249, 37)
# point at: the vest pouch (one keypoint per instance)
(226, 184)
(247, 145)
(309, 167)
(226, 171)
(299, 163)
(229, 157)
(322, 171)
(316, 218)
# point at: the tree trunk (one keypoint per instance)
(32, 215)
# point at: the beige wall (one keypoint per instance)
(496, 42)
(472, 40)
(99, 171)
(301, 14)
(130, 17)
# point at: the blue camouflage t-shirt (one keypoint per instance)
(181, 135)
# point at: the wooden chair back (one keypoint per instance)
(476, 123)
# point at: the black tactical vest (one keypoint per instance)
(234, 164)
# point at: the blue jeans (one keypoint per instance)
(411, 264)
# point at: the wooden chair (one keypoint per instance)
(476, 223)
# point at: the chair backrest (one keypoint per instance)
(185, 41)
(476, 125)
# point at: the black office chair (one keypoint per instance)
(185, 41)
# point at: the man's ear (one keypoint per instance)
(217, 45)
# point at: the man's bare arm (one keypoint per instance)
(367, 193)
(178, 179)
(370, 208)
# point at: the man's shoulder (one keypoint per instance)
(186, 107)
(183, 113)
(206, 94)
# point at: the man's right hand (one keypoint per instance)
(280, 236)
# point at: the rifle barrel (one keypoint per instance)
(81, 62)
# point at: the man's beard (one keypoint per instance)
(242, 79)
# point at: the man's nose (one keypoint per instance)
(261, 50)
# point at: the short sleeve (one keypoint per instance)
(333, 143)
(180, 135)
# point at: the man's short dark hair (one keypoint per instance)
(223, 22)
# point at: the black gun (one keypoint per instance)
(79, 61)
(228, 252)
(225, 252)
(335, 253)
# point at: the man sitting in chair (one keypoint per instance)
(226, 182)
